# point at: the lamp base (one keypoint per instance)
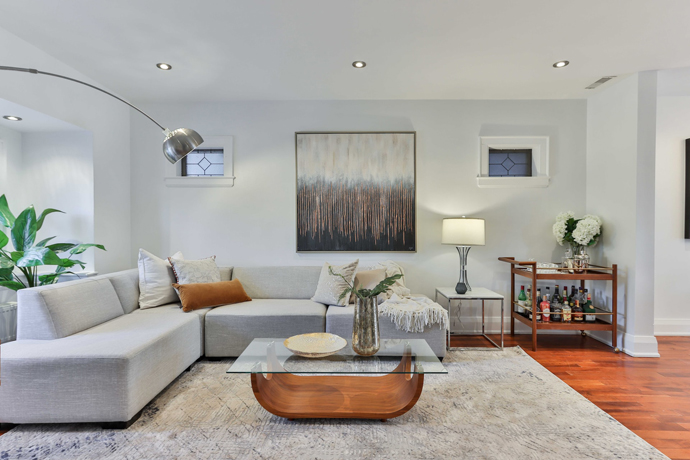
(462, 288)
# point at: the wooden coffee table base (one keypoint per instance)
(335, 396)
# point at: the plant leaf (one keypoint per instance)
(39, 222)
(14, 285)
(16, 255)
(6, 273)
(4, 239)
(42, 243)
(67, 263)
(35, 257)
(24, 229)
(385, 284)
(6, 216)
(61, 247)
(83, 247)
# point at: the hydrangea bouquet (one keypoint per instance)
(578, 233)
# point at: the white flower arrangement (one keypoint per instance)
(577, 232)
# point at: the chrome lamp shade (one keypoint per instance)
(463, 232)
(179, 143)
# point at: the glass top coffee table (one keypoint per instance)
(342, 385)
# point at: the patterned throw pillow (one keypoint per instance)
(195, 271)
(330, 287)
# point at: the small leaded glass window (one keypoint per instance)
(203, 162)
(510, 162)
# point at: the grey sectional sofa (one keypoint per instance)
(85, 352)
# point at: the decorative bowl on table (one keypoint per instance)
(315, 345)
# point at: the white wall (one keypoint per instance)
(253, 223)
(620, 189)
(672, 290)
(57, 172)
(10, 168)
(103, 116)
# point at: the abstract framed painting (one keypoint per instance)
(356, 191)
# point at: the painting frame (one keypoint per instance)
(411, 242)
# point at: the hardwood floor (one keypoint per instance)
(650, 396)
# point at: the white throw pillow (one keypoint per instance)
(155, 280)
(330, 287)
(195, 271)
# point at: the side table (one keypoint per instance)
(482, 294)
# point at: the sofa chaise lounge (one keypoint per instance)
(86, 352)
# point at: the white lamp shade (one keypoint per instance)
(463, 231)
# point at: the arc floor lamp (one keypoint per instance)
(177, 144)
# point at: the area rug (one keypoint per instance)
(491, 405)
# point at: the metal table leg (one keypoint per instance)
(484, 332)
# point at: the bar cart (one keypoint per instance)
(592, 273)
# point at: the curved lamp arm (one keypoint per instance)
(178, 143)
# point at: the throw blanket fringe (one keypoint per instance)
(413, 314)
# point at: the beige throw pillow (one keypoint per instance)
(155, 280)
(368, 279)
(195, 271)
(330, 287)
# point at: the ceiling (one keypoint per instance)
(32, 121)
(303, 49)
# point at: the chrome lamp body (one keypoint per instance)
(463, 284)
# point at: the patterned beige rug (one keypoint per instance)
(491, 405)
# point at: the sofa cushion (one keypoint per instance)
(278, 282)
(126, 284)
(230, 328)
(339, 321)
(60, 310)
(106, 373)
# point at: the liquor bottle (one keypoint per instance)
(528, 304)
(522, 301)
(537, 306)
(571, 300)
(578, 317)
(581, 297)
(567, 315)
(589, 309)
(565, 295)
(545, 308)
(556, 306)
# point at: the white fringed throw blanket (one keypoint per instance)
(412, 314)
(409, 313)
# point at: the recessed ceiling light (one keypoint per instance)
(163, 66)
(560, 64)
(359, 64)
(12, 118)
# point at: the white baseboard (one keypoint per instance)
(671, 327)
(472, 325)
(637, 346)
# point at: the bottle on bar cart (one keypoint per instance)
(522, 301)
(528, 308)
(567, 313)
(556, 306)
(572, 298)
(566, 299)
(578, 317)
(545, 308)
(590, 317)
(536, 312)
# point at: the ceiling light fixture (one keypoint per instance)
(359, 64)
(177, 143)
(561, 64)
(163, 66)
(12, 118)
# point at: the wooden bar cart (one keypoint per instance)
(593, 273)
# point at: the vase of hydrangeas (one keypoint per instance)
(578, 234)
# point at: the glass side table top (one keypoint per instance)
(269, 356)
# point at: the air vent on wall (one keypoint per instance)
(600, 82)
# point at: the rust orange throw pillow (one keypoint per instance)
(201, 295)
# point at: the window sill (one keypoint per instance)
(513, 182)
(227, 181)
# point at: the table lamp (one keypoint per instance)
(463, 232)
